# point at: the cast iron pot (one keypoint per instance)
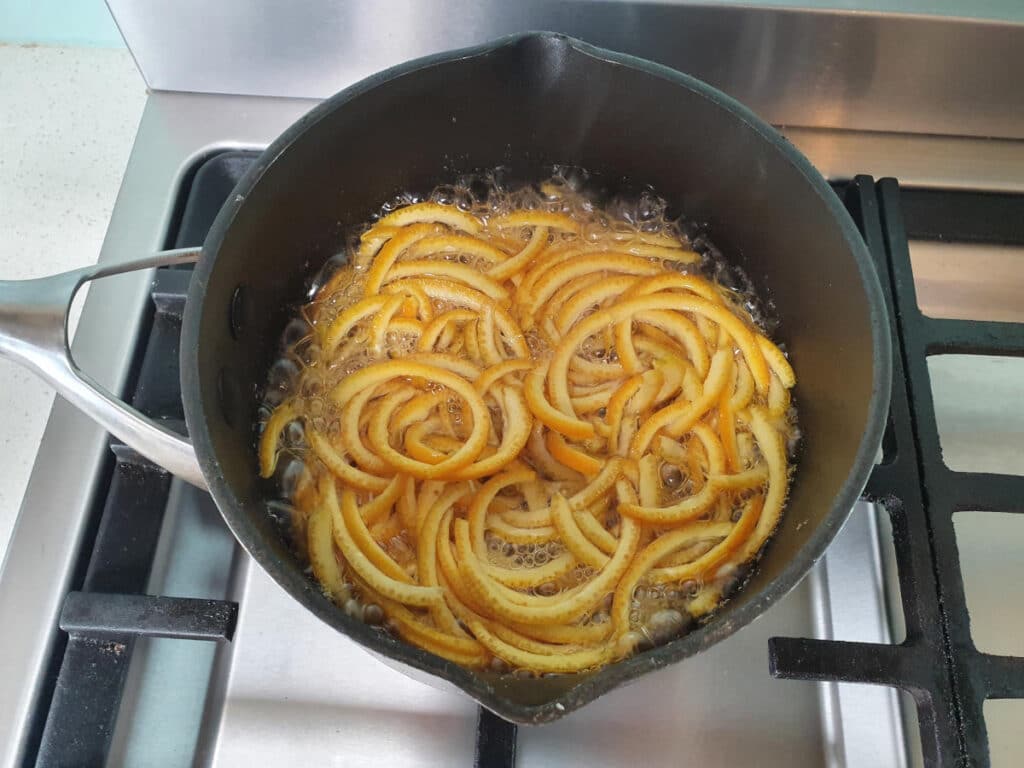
(526, 103)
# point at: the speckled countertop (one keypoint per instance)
(68, 117)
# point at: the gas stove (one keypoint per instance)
(229, 671)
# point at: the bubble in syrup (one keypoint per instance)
(671, 475)
(352, 609)
(691, 588)
(282, 375)
(665, 625)
(548, 589)
(294, 434)
(296, 330)
(288, 474)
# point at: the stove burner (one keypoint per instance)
(937, 663)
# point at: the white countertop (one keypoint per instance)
(68, 118)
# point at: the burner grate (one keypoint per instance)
(938, 663)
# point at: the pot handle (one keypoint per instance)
(34, 332)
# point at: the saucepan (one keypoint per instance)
(524, 103)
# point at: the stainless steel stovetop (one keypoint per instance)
(288, 687)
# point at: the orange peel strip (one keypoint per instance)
(769, 441)
(671, 281)
(696, 505)
(505, 270)
(352, 413)
(418, 213)
(562, 273)
(712, 448)
(372, 240)
(557, 375)
(336, 463)
(551, 257)
(649, 487)
(594, 400)
(347, 516)
(684, 331)
(777, 361)
(447, 270)
(368, 455)
(501, 528)
(283, 415)
(471, 246)
(727, 424)
(527, 578)
(666, 253)
(578, 545)
(597, 533)
(571, 661)
(644, 398)
(568, 292)
(407, 326)
(537, 453)
(380, 322)
(778, 397)
(444, 644)
(408, 594)
(628, 357)
(652, 238)
(546, 413)
(565, 634)
(525, 218)
(617, 407)
(470, 298)
(570, 456)
(681, 416)
(348, 320)
(477, 513)
(375, 510)
(378, 373)
(585, 372)
(718, 554)
(321, 554)
(389, 254)
(571, 604)
(486, 340)
(497, 372)
(664, 545)
(516, 434)
(609, 286)
(419, 435)
(432, 330)
(426, 551)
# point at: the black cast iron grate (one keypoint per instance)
(937, 664)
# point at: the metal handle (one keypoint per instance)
(34, 332)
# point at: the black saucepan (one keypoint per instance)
(526, 103)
